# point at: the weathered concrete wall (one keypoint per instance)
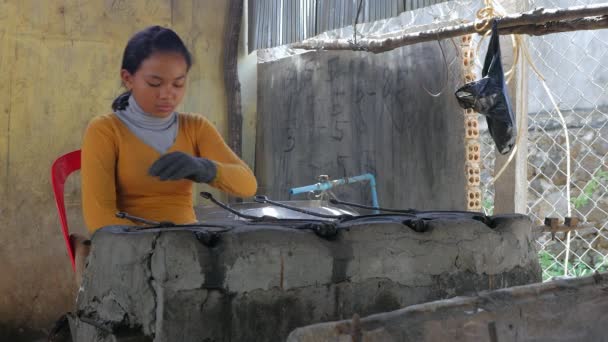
(563, 310)
(59, 62)
(347, 113)
(261, 281)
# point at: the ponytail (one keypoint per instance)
(122, 101)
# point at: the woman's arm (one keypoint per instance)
(233, 175)
(99, 155)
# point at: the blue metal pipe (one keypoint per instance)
(330, 184)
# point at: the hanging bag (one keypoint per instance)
(489, 96)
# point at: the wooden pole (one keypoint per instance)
(537, 22)
(231, 76)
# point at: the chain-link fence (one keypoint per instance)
(575, 68)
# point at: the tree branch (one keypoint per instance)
(593, 23)
(535, 22)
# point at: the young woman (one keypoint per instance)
(144, 157)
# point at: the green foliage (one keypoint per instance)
(590, 189)
(553, 269)
(550, 267)
(488, 205)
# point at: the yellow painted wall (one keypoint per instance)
(59, 67)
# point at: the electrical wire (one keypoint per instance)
(357, 21)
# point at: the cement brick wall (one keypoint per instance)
(262, 281)
(348, 113)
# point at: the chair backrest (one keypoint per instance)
(61, 169)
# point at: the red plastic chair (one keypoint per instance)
(61, 169)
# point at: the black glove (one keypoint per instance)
(179, 165)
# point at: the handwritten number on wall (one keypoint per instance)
(290, 144)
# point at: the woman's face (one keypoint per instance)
(159, 84)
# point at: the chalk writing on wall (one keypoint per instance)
(344, 114)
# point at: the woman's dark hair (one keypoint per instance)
(141, 46)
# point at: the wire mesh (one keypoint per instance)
(575, 68)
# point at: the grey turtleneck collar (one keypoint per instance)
(159, 133)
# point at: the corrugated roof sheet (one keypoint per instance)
(279, 22)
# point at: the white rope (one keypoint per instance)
(563, 121)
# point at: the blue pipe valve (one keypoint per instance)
(326, 184)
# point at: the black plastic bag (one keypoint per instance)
(489, 97)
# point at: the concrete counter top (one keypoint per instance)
(260, 281)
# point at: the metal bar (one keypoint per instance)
(123, 215)
(209, 196)
(264, 199)
(376, 209)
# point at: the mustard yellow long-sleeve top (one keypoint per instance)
(115, 165)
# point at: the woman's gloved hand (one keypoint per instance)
(179, 165)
